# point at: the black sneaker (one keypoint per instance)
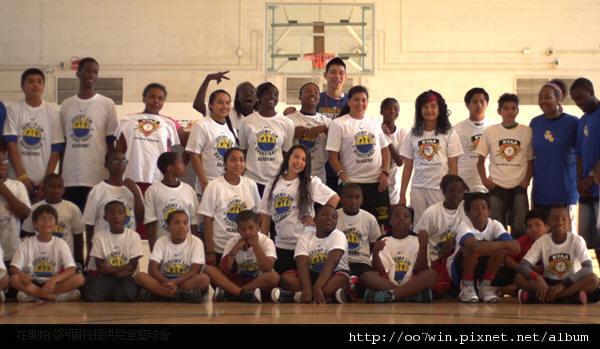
(526, 297)
(594, 296)
(189, 296)
(144, 295)
(578, 298)
(251, 296)
(282, 296)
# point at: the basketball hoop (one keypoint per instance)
(319, 59)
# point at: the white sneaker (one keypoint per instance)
(467, 294)
(488, 294)
(73, 295)
(208, 295)
(23, 297)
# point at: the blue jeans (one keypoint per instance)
(510, 205)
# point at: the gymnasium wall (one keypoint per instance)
(448, 46)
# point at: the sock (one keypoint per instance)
(467, 280)
(487, 278)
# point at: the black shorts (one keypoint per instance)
(376, 202)
(285, 260)
(357, 269)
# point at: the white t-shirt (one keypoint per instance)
(359, 144)
(360, 229)
(86, 126)
(396, 139)
(116, 249)
(440, 224)
(36, 132)
(265, 139)
(247, 263)
(470, 133)
(100, 195)
(10, 225)
(560, 261)
(210, 140)
(176, 259)
(223, 201)
(510, 150)
(283, 208)
(42, 260)
(160, 200)
(70, 221)
(317, 250)
(316, 146)
(494, 231)
(430, 154)
(147, 136)
(399, 257)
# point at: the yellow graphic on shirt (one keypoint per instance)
(317, 262)
(43, 269)
(117, 261)
(548, 136)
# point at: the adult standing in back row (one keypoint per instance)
(89, 121)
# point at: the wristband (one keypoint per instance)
(533, 275)
(386, 171)
(22, 177)
(339, 173)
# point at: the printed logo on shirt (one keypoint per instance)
(428, 148)
(248, 268)
(115, 259)
(223, 143)
(283, 204)
(447, 235)
(266, 142)
(509, 148)
(31, 139)
(317, 261)
(43, 267)
(402, 264)
(548, 136)
(560, 264)
(59, 230)
(81, 127)
(174, 268)
(329, 112)
(147, 126)
(308, 142)
(167, 210)
(475, 141)
(234, 207)
(353, 236)
(364, 146)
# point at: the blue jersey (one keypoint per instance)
(555, 171)
(330, 107)
(588, 144)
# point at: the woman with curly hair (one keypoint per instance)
(431, 149)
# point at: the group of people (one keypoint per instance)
(308, 206)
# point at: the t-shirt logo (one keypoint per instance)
(447, 235)
(248, 268)
(317, 262)
(548, 136)
(283, 204)
(147, 126)
(31, 136)
(353, 237)
(560, 264)
(58, 230)
(43, 267)
(223, 144)
(364, 146)
(428, 148)
(81, 126)
(234, 207)
(401, 268)
(175, 269)
(509, 148)
(166, 211)
(475, 141)
(266, 140)
(116, 261)
(308, 142)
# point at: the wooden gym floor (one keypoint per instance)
(441, 312)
